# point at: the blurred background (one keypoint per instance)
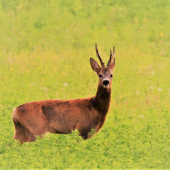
(28, 26)
(45, 46)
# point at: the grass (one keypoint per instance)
(45, 48)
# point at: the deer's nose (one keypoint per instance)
(105, 82)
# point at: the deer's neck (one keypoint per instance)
(101, 101)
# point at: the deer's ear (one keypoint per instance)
(94, 65)
(112, 64)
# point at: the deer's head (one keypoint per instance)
(105, 73)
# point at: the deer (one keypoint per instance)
(36, 118)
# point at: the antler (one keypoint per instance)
(97, 53)
(111, 56)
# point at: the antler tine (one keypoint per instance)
(110, 52)
(97, 53)
(111, 56)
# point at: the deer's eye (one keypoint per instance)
(100, 75)
(111, 75)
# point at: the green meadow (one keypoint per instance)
(45, 46)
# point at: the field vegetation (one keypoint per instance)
(45, 46)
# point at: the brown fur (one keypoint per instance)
(63, 116)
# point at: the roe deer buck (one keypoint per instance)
(64, 116)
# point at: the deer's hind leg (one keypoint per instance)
(30, 137)
(20, 132)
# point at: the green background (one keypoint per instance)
(46, 45)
